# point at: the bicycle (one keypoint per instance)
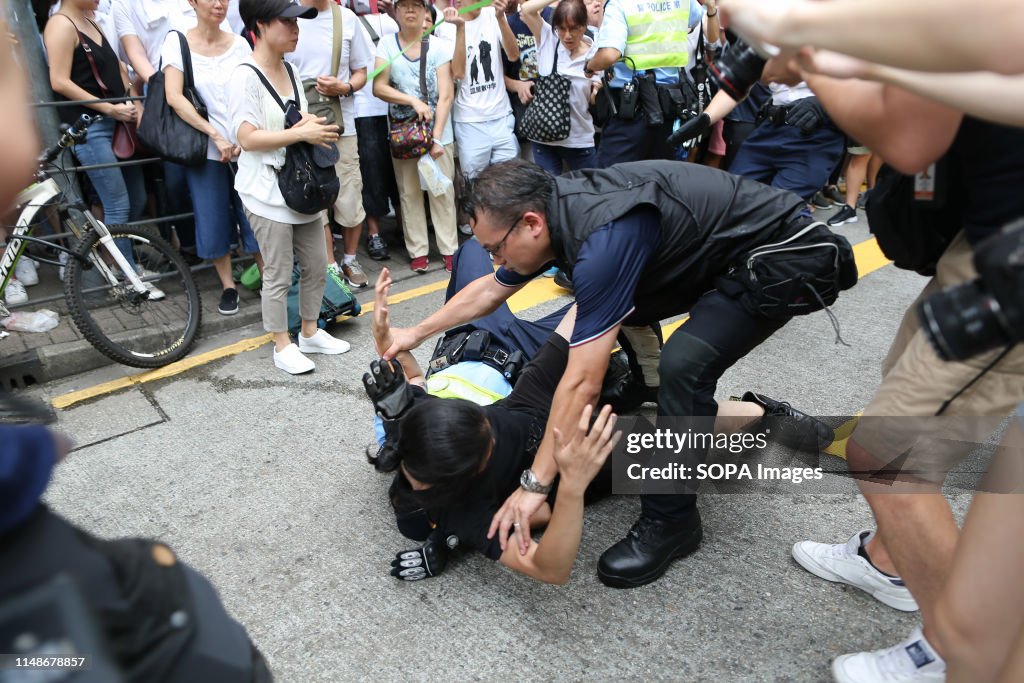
(125, 315)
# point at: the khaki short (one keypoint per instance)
(348, 209)
(916, 383)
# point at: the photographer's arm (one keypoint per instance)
(983, 94)
(939, 42)
(907, 130)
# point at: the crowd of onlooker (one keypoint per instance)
(480, 76)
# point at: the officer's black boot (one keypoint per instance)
(791, 427)
(648, 549)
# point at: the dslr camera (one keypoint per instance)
(986, 313)
(738, 69)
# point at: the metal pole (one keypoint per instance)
(21, 20)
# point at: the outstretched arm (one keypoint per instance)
(381, 328)
(580, 456)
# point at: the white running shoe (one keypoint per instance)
(25, 271)
(15, 294)
(841, 563)
(292, 361)
(321, 342)
(912, 661)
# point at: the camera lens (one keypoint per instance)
(738, 70)
(962, 321)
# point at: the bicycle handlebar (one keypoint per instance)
(70, 135)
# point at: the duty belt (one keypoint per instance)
(472, 344)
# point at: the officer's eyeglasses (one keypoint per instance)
(496, 249)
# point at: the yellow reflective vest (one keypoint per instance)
(453, 386)
(657, 33)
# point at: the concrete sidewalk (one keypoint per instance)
(28, 358)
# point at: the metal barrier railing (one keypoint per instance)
(161, 201)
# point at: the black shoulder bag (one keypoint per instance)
(914, 232)
(162, 130)
(308, 181)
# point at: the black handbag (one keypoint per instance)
(546, 118)
(162, 130)
(308, 181)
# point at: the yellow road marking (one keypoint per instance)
(869, 259)
(70, 399)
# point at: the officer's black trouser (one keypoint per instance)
(632, 140)
(719, 332)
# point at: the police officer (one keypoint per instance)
(795, 147)
(643, 39)
(674, 237)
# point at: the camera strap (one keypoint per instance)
(985, 370)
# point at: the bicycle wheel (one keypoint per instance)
(142, 329)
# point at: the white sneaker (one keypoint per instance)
(321, 342)
(292, 361)
(25, 271)
(912, 661)
(15, 294)
(841, 563)
(155, 293)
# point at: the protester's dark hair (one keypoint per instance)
(569, 14)
(443, 443)
(433, 13)
(508, 189)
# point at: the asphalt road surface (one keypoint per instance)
(258, 479)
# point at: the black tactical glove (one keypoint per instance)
(426, 561)
(386, 386)
(807, 115)
(695, 127)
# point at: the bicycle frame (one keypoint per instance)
(32, 200)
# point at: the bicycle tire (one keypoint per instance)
(122, 324)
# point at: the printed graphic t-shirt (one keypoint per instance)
(482, 96)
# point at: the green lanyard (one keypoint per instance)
(385, 65)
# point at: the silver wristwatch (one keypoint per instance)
(530, 483)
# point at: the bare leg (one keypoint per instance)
(980, 611)
(281, 340)
(733, 416)
(372, 225)
(856, 172)
(916, 532)
(352, 236)
(223, 267)
(873, 166)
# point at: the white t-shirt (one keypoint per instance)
(581, 124)
(234, 18)
(405, 76)
(150, 20)
(256, 179)
(783, 95)
(481, 96)
(366, 103)
(312, 56)
(211, 75)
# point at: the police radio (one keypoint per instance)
(628, 100)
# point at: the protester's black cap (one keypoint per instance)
(253, 11)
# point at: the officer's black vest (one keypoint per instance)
(708, 219)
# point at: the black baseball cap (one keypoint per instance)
(253, 11)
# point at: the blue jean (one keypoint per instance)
(220, 218)
(122, 191)
(552, 157)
